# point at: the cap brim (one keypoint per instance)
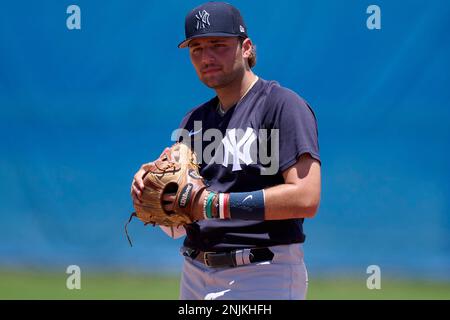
(185, 43)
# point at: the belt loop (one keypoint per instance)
(242, 257)
(246, 256)
(206, 259)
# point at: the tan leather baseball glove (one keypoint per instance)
(175, 171)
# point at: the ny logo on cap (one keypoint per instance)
(202, 19)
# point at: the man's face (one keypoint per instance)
(218, 61)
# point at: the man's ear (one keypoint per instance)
(247, 47)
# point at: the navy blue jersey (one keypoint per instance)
(269, 120)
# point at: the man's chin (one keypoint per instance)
(214, 83)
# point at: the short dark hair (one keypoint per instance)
(252, 58)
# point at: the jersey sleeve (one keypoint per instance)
(185, 124)
(188, 121)
(185, 121)
(296, 124)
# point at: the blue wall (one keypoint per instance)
(80, 110)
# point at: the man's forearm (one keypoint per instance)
(290, 201)
(285, 201)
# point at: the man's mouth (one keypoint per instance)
(210, 70)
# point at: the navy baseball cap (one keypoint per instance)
(213, 19)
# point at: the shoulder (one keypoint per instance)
(197, 112)
(283, 97)
(282, 100)
(200, 108)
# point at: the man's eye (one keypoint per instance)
(218, 45)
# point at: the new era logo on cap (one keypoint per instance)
(213, 19)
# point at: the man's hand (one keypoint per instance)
(138, 185)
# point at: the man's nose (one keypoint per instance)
(207, 56)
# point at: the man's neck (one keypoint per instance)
(234, 92)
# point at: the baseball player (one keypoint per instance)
(262, 173)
